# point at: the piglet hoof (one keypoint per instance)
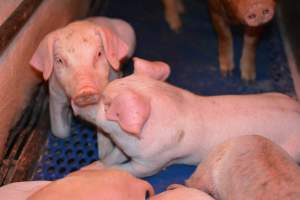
(226, 62)
(249, 82)
(176, 26)
(226, 73)
(226, 66)
(174, 186)
(174, 22)
(248, 74)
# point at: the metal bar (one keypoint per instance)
(12, 25)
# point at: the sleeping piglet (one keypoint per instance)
(90, 183)
(248, 167)
(79, 60)
(156, 124)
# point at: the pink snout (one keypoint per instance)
(87, 96)
(259, 14)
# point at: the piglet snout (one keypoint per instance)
(87, 96)
(259, 14)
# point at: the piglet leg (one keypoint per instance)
(105, 145)
(247, 62)
(225, 44)
(60, 112)
(180, 6)
(114, 158)
(172, 13)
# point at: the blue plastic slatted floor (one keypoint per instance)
(192, 55)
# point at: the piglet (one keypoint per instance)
(156, 124)
(250, 13)
(90, 183)
(248, 167)
(79, 60)
(182, 193)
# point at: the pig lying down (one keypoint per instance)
(90, 183)
(156, 124)
(248, 167)
(250, 13)
(79, 60)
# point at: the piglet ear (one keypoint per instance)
(42, 59)
(115, 49)
(130, 110)
(154, 69)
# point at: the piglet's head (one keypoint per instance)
(130, 110)
(128, 107)
(252, 12)
(80, 56)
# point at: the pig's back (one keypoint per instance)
(271, 115)
(258, 169)
(256, 113)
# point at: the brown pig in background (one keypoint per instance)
(250, 13)
(156, 124)
(249, 168)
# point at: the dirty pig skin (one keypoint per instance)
(156, 124)
(252, 14)
(248, 167)
(79, 60)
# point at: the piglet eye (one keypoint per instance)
(99, 54)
